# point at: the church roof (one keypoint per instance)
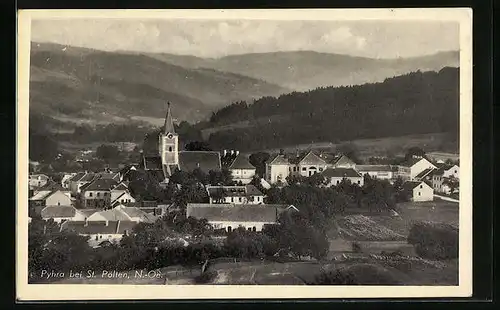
(205, 160)
(169, 124)
(241, 162)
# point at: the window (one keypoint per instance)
(304, 168)
(229, 229)
(320, 169)
(419, 193)
(105, 194)
(249, 228)
(338, 182)
(90, 194)
(294, 168)
(359, 182)
(239, 199)
(170, 149)
(58, 203)
(455, 171)
(232, 199)
(254, 228)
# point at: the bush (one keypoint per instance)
(205, 277)
(361, 274)
(434, 240)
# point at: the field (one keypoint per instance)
(408, 269)
(380, 147)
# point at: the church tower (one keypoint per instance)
(169, 142)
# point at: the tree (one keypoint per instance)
(414, 151)
(350, 150)
(108, 152)
(259, 161)
(42, 147)
(222, 177)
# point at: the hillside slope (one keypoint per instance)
(305, 70)
(84, 83)
(414, 103)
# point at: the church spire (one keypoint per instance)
(169, 124)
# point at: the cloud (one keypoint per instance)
(216, 38)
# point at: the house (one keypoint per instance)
(308, 165)
(382, 172)
(65, 180)
(122, 213)
(232, 216)
(53, 186)
(62, 213)
(50, 198)
(418, 191)
(443, 181)
(334, 176)
(248, 194)
(125, 198)
(169, 158)
(97, 194)
(110, 231)
(414, 166)
(277, 169)
(449, 171)
(242, 170)
(79, 180)
(37, 180)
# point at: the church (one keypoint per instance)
(170, 158)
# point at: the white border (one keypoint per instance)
(27, 292)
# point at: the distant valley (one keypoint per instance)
(74, 84)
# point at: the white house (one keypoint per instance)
(277, 169)
(65, 180)
(62, 213)
(449, 171)
(382, 172)
(308, 165)
(242, 170)
(111, 231)
(334, 176)
(416, 165)
(97, 194)
(50, 198)
(419, 191)
(248, 194)
(79, 180)
(37, 180)
(125, 198)
(230, 217)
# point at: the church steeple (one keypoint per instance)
(169, 124)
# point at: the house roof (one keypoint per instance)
(58, 211)
(39, 176)
(121, 195)
(100, 185)
(235, 191)
(413, 160)
(41, 195)
(87, 212)
(425, 173)
(77, 177)
(109, 215)
(252, 190)
(340, 157)
(233, 213)
(125, 226)
(52, 186)
(136, 212)
(375, 168)
(241, 162)
(109, 175)
(88, 177)
(410, 185)
(82, 227)
(120, 187)
(205, 160)
(340, 173)
(279, 159)
(311, 159)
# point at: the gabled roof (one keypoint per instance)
(120, 187)
(134, 212)
(109, 175)
(425, 173)
(410, 185)
(41, 195)
(241, 162)
(413, 160)
(52, 186)
(340, 173)
(77, 177)
(252, 190)
(204, 160)
(279, 159)
(88, 177)
(82, 227)
(311, 159)
(100, 185)
(341, 158)
(375, 168)
(235, 191)
(109, 215)
(87, 212)
(58, 211)
(127, 193)
(233, 213)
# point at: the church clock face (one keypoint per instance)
(170, 136)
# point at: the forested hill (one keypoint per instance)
(415, 103)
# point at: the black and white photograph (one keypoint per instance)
(318, 152)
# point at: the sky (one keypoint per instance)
(218, 38)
